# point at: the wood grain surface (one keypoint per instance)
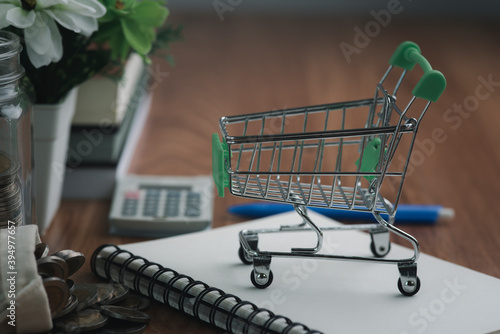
(253, 64)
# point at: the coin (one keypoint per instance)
(122, 313)
(134, 301)
(7, 188)
(85, 320)
(86, 295)
(104, 292)
(119, 292)
(52, 266)
(11, 193)
(75, 260)
(71, 285)
(70, 306)
(16, 221)
(12, 218)
(9, 206)
(57, 293)
(41, 250)
(8, 166)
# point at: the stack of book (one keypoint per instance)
(108, 114)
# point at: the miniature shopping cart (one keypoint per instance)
(349, 156)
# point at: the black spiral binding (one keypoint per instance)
(234, 309)
(137, 278)
(185, 292)
(224, 296)
(124, 267)
(154, 279)
(169, 286)
(246, 328)
(199, 300)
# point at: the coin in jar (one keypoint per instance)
(86, 295)
(122, 313)
(52, 266)
(85, 320)
(74, 260)
(57, 293)
(134, 301)
(8, 168)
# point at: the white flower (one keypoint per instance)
(38, 19)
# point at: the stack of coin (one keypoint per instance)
(82, 307)
(10, 192)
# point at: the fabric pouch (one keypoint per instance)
(24, 305)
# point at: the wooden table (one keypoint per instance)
(249, 64)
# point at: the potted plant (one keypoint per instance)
(65, 43)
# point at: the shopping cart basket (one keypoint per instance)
(332, 156)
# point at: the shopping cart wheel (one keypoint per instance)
(252, 241)
(244, 257)
(381, 244)
(411, 286)
(380, 251)
(261, 281)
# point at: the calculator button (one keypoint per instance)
(132, 194)
(129, 207)
(149, 212)
(150, 208)
(172, 203)
(174, 194)
(192, 212)
(171, 212)
(151, 202)
(193, 205)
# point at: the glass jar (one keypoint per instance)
(16, 156)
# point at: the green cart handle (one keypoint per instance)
(432, 84)
(220, 154)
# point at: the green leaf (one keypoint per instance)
(137, 36)
(125, 50)
(128, 4)
(108, 17)
(108, 3)
(119, 47)
(150, 13)
(107, 31)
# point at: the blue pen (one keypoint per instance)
(406, 213)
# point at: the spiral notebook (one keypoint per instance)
(201, 274)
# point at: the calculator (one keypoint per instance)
(159, 206)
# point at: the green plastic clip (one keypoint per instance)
(220, 154)
(370, 159)
(432, 84)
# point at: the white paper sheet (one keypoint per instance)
(336, 296)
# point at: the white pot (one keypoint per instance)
(52, 123)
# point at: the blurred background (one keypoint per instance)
(246, 56)
(446, 8)
(242, 56)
